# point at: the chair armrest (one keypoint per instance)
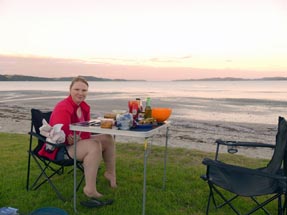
(43, 139)
(232, 145)
(246, 144)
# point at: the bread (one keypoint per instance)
(107, 123)
(110, 116)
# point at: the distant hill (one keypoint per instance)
(34, 78)
(238, 79)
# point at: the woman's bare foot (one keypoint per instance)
(94, 194)
(111, 178)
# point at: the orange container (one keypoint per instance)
(161, 114)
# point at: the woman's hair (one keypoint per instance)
(79, 79)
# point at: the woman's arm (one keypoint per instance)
(63, 116)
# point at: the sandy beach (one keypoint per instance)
(187, 132)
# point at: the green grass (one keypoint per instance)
(185, 192)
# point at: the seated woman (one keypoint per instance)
(91, 149)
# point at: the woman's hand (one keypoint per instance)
(70, 139)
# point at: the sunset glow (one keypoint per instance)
(144, 39)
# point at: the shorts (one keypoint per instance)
(62, 154)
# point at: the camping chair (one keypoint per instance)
(270, 181)
(47, 167)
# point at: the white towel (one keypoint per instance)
(54, 134)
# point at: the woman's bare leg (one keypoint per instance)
(90, 152)
(109, 156)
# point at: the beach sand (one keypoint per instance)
(186, 132)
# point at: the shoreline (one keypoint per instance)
(190, 133)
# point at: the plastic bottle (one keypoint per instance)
(139, 104)
(148, 110)
(140, 110)
(135, 110)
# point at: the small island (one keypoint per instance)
(238, 79)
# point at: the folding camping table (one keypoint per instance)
(146, 134)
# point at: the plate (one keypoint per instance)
(144, 127)
(119, 111)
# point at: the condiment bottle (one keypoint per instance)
(135, 110)
(148, 111)
(140, 104)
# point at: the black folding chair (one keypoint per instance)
(47, 167)
(269, 181)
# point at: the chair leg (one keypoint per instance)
(29, 160)
(28, 171)
(266, 212)
(226, 201)
(260, 206)
(285, 205)
(209, 198)
(280, 209)
(47, 179)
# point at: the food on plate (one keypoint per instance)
(147, 121)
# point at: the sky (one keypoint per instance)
(144, 39)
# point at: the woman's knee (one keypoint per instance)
(95, 146)
(89, 147)
(108, 138)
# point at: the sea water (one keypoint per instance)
(240, 101)
(270, 90)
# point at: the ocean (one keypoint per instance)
(271, 90)
(238, 101)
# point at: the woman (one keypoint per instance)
(90, 148)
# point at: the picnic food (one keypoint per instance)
(147, 121)
(107, 123)
(110, 116)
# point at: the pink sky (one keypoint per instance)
(50, 67)
(144, 39)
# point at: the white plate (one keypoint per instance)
(119, 111)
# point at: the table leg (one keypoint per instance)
(165, 158)
(75, 173)
(144, 179)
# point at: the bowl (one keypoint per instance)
(161, 114)
(49, 211)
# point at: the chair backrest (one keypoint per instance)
(280, 152)
(36, 123)
(37, 117)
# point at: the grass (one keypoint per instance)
(185, 192)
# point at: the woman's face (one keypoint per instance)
(79, 92)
